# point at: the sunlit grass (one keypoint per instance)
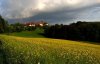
(20, 50)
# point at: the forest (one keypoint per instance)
(79, 31)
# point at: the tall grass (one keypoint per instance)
(18, 50)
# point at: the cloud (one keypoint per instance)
(90, 13)
(50, 10)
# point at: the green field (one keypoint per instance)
(30, 34)
(22, 50)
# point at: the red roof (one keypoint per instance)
(32, 23)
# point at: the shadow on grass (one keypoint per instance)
(42, 34)
(84, 41)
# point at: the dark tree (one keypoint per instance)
(84, 31)
(3, 25)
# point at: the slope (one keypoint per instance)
(20, 50)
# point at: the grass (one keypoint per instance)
(21, 50)
(30, 34)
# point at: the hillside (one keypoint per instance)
(20, 50)
(30, 34)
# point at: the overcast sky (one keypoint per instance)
(53, 11)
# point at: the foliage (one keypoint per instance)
(30, 28)
(3, 25)
(85, 31)
(19, 27)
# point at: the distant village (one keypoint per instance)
(36, 23)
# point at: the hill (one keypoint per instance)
(37, 33)
(20, 50)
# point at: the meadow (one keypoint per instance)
(22, 50)
(37, 33)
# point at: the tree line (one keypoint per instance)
(16, 27)
(81, 31)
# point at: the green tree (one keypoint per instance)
(17, 27)
(3, 25)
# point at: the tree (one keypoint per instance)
(3, 25)
(17, 27)
(81, 31)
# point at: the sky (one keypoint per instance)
(52, 11)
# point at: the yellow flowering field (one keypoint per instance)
(20, 50)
